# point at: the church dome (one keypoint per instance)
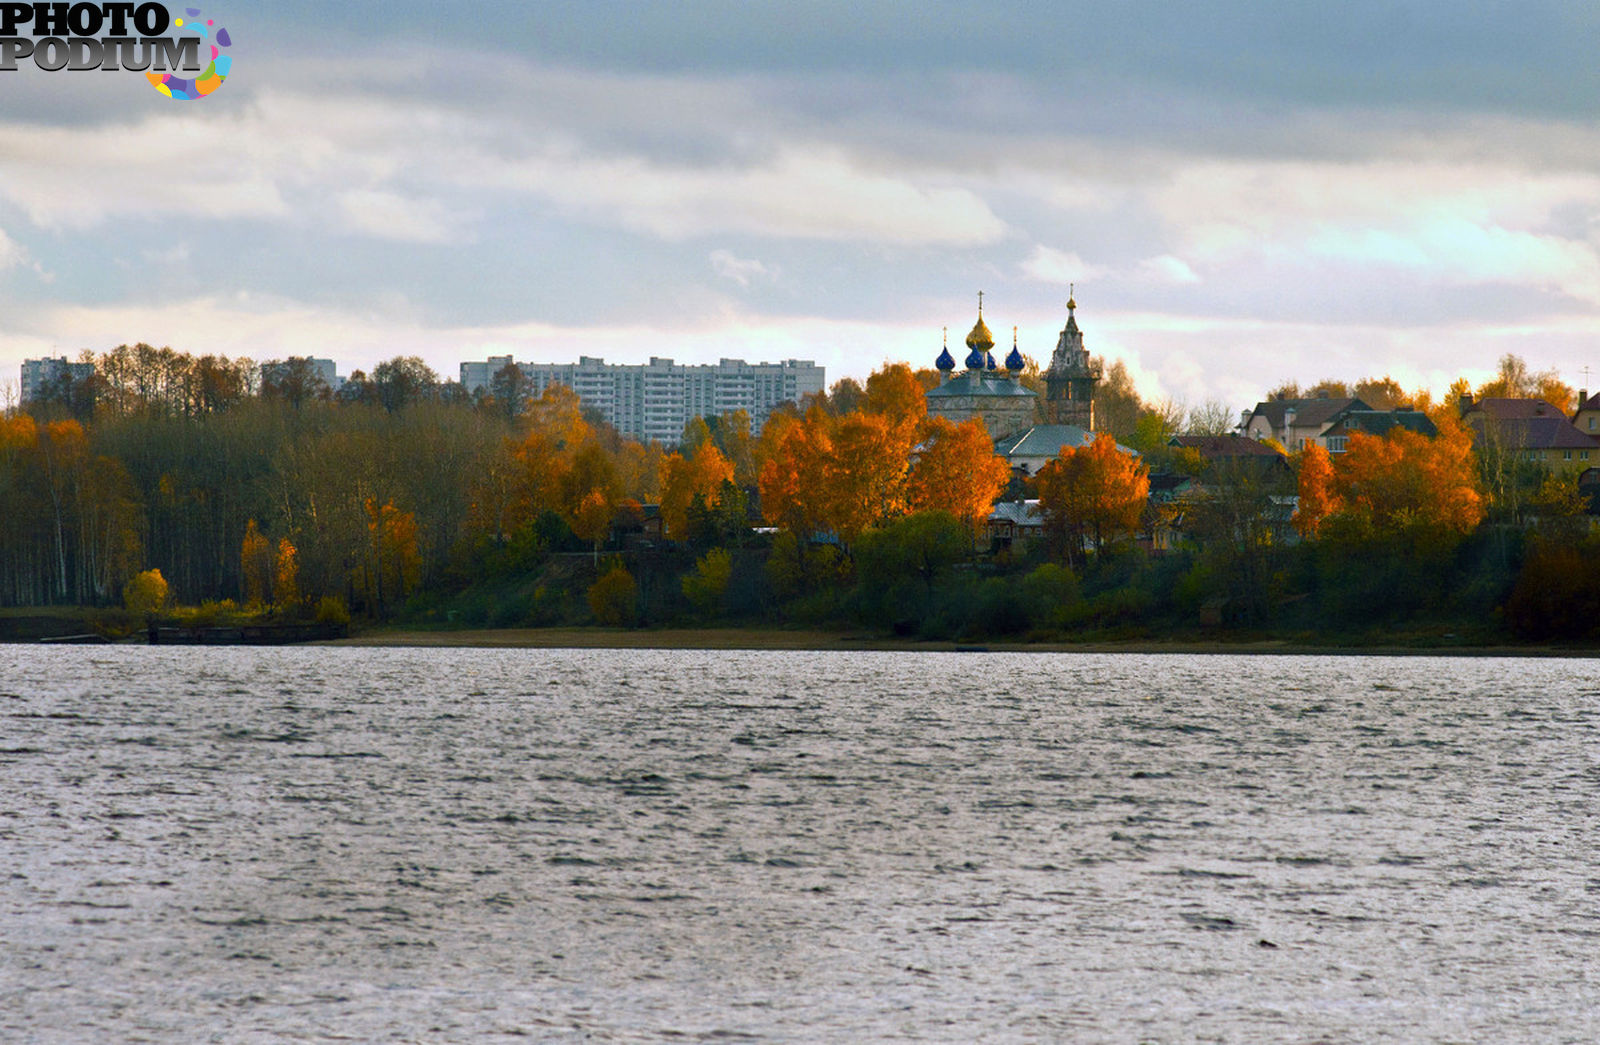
(980, 338)
(1014, 362)
(945, 361)
(988, 362)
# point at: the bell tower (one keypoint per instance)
(1070, 381)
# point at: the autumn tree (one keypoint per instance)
(866, 475)
(1514, 379)
(255, 566)
(1092, 495)
(395, 558)
(894, 393)
(146, 594)
(957, 471)
(592, 521)
(1318, 498)
(286, 575)
(685, 478)
(1405, 481)
(796, 455)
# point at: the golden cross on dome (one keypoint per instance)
(980, 302)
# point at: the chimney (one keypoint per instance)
(1466, 403)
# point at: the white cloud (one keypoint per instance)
(11, 252)
(1167, 268)
(388, 215)
(811, 193)
(741, 270)
(1445, 223)
(1048, 265)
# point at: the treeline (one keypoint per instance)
(403, 497)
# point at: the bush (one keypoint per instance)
(146, 594)
(331, 610)
(614, 598)
(706, 584)
(1049, 592)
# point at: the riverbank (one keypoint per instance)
(815, 639)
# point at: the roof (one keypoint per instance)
(1047, 441)
(1506, 408)
(1382, 422)
(1020, 513)
(1306, 411)
(982, 384)
(1534, 433)
(1225, 446)
(1167, 486)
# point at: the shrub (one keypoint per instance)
(706, 584)
(331, 610)
(146, 594)
(614, 598)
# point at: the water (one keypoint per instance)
(573, 846)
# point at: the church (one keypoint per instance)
(1008, 407)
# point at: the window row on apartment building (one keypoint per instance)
(653, 401)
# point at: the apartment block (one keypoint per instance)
(38, 374)
(653, 401)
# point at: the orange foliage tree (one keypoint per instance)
(866, 480)
(685, 478)
(396, 559)
(255, 565)
(1409, 482)
(1092, 495)
(592, 521)
(957, 471)
(286, 574)
(1317, 497)
(795, 454)
(895, 394)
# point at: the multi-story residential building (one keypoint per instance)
(39, 374)
(653, 401)
(326, 369)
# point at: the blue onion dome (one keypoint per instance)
(988, 362)
(975, 360)
(946, 361)
(1014, 362)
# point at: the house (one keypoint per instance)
(1297, 422)
(1531, 430)
(1375, 422)
(1030, 450)
(1237, 455)
(1015, 522)
(1587, 417)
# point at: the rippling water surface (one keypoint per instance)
(473, 845)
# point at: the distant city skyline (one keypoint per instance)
(1244, 193)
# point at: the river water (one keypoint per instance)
(242, 845)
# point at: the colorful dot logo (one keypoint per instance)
(221, 64)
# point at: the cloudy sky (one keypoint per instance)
(1244, 192)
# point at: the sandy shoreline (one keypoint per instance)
(800, 639)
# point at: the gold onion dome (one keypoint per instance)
(980, 338)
